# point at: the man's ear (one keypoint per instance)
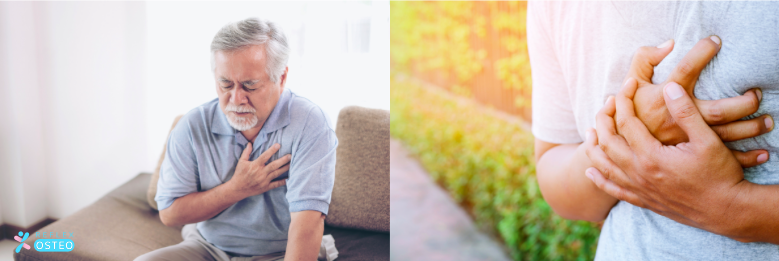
(284, 78)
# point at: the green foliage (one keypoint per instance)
(436, 36)
(487, 165)
(454, 38)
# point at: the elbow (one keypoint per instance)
(571, 209)
(167, 218)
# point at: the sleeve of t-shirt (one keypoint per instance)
(553, 117)
(312, 168)
(178, 172)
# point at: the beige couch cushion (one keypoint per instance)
(152, 192)
(119, 226)
(361, 194)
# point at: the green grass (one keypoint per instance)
(486, 164)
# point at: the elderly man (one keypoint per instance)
(226, 166)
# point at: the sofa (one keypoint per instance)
(125, 223)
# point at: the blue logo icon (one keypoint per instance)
(21, 240)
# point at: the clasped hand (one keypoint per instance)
(659, 148)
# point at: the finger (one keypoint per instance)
(610, 142)
(265, 156)
(632, 129)
(729, 109)
(603, 163)
(277, 184)
(646, 58)
(739, 130)
(246, 151)
(613, 189)
(276, 173)
(689, 68)
(686, 115)
(279, 162)
(750, 158)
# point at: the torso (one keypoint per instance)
(595, 42)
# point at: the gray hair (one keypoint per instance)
(253, 31)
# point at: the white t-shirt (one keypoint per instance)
(580, 53)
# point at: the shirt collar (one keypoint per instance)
(278, 118)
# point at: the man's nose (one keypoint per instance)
(238, 96)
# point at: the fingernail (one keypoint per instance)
(769, 123)
(716, 39)
(763, 157)
(674, 90)
(665, 44)
(759, 94)
(626, 82)
(608, 99)
(588, 173)
(276, 146)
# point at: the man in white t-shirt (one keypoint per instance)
(581, 54)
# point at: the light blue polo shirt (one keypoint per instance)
(203, 150)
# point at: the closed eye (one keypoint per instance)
(249, 85)
(226, 84)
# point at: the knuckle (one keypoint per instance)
(605, 172)
(641, 182)
(715, 113)
(646, 163)
(604, 146)
(622, 123)
(685, 68)
(685, 111)
(724, 132)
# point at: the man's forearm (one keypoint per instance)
(560, 173)
(757, 214)
(305, 235)
(200, 206)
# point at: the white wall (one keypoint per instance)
(95, 88)
(73, 95)
(22, 155)
(88, 90)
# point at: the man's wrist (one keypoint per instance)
(754, 214)
(741, 224)
(231, 191)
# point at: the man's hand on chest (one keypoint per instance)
(255, 177)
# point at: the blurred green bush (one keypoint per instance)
(487, 165)
(472, 48)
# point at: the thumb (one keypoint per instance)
(685, 113)
(247, 151)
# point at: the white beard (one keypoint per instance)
(238, 122)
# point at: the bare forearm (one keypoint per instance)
(305, 235)
(757, 212)
(200, 206)
(560, 172)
